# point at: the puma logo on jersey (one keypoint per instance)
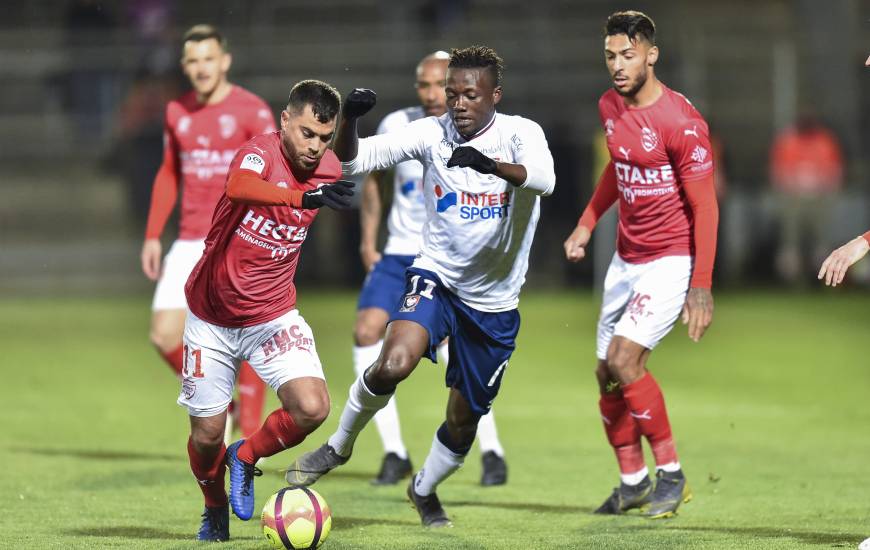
(641, 416)
(692, 132)
(624, 152)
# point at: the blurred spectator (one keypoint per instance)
(806, 168)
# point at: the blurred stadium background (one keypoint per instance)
(770, 410)
(85, 83)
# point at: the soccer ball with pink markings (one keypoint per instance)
(296, 517)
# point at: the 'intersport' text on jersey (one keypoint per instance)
(479, 228)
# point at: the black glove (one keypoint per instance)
(333, 195)
(358, 102)
(469, 157)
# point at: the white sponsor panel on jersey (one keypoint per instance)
(253, 161)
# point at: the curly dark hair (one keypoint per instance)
(631, 23)
(477, 57)
(323, 98)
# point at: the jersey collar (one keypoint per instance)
(480, 132)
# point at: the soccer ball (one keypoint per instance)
(296, 517)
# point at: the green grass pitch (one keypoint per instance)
(771, 413)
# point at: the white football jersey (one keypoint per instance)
(479, 228)
(408, 211)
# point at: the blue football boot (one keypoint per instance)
(241, 482)
(215, 524)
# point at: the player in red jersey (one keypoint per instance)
(661, 172)
(834, 267)
(203, 130)
(242, 301)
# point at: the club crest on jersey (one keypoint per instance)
(188, 388)
(648, 139)
(409, 303)
(608, 127)
(445, 150)
(228, 125)
(183, 124)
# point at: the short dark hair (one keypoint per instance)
(477, 57)
(198, 33)
(323, 98)
(631, 23)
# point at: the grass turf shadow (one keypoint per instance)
(91, 454)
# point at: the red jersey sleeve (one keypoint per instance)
(701, 195)
(164, 192)
(247, 182)
(690, 150)
(606, 193)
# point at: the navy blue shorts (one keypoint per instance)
(480, 344)
(385, 283)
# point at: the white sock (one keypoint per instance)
(669, 467)
(635, 478)
(386, 419)
(443, 352)
(360, 407)
(488, 436)
(440, 463)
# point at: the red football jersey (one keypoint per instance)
(203, 140)
(656, 150)
(245, 276)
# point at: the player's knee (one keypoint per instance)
(310, 411)
(394, 366)
(624, 365)
(366, 334)
(206, 439)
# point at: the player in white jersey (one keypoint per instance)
(385, 283)
(483, 175)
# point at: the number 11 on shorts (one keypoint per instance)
(197, 362)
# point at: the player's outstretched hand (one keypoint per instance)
(334, 195)
(152, 252)
(358, 102)
(698, 312)
(575, 244)
(834, 267)
(469, 157)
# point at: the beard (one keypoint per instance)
(638, 84)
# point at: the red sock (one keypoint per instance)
(647, 405)
(252, 398)
(175, 359)
(209, 473)
(279, 432)
(622, 432)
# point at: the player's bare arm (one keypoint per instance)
(834, 267)
(356, 104)
(370, 219)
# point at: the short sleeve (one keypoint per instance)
(690, 151)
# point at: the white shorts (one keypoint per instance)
(177, 265)
(642, 302)
(280, 350)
